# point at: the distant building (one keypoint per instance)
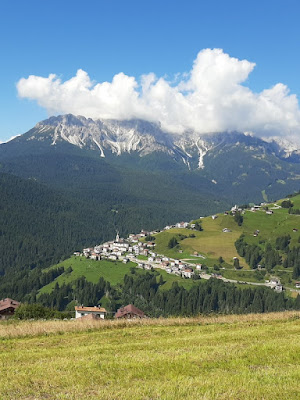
(8, 307)
(278, 288)
(92, 312)
(187, 272)
(129, 312)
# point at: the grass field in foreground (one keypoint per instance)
(229, 357)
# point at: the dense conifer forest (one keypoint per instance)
(143, 290)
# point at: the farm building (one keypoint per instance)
(95, 312)
(7, 308)
(129, 312)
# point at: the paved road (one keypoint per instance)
(208, 276)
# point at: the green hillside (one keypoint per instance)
(212, 243)
(112, 271)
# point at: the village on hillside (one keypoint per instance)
(130, 249)
(136, 245)
(140, 249)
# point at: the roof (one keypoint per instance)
(130, 309)
(90, 309)
(8, 303)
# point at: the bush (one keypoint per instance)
(198, 226)
(37, 311)
(150, 238)
(238, 218)
(172, 242)
(287, 204)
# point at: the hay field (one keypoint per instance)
(221, 357)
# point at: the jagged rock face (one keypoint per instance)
(142, 137)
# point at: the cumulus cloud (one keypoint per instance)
(210, 98)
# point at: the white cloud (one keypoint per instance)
(210, 98)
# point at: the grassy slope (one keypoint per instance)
(113, 272)
(235, 357)
(92, 270)
(170, 278)
(213, 243)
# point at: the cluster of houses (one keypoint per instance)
(130, 249)
(119, 249)
(97, 312)
(9, 306)
(275, 284)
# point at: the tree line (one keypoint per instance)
(144, 291)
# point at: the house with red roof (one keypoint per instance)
(129, 312)
(8, 307)
(90, 312)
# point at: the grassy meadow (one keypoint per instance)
(212, 242)
(111, 271)
(225, 357)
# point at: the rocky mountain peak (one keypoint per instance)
(143, 137)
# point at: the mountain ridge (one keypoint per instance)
(144, 137)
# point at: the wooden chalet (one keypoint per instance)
(7, 308)
(129, 312)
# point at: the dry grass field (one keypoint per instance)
(215, 357)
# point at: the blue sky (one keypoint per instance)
(105, 38)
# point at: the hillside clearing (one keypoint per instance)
(113, 272)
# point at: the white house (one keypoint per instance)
(274, 282)
(181, 224)
(187, 272)
(278, 288)
(95, 312)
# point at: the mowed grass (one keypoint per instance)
(229, 357)
(212, 242)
